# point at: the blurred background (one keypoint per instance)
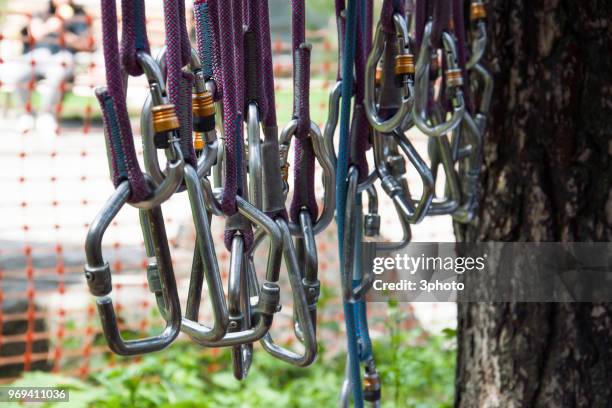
(56, 180)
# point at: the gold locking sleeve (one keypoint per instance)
(164, 118)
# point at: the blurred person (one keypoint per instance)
(50, 40)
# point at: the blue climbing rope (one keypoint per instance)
(341, 192)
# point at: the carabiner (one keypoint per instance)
(239, 307)
(98, 275)
(203, 120)
(301, 306)
(269, 297)
(353, 244)
(255, 158)
(478, 16)
(306, 249)
(469, 169)
(329, 174)
(165, 134)
(440, 152)
(402, 68)
(485, 99)
(454, 83)
(411, 210)
(330, 129)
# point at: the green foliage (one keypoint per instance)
(416, 369)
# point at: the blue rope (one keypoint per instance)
(204, 38)
(361, 317)
(341, 190)
(115, 137)
(140, 35)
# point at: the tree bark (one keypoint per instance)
(546, 177)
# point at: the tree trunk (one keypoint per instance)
(546, 178)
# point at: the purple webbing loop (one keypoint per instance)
(266, 83)
(301, 64)
(216, 53)
(442, 13)
(133, 35)
(360, 125)
(420, 18)
(389, 8)
(139, 189)
(304, 157)
(227, 20)
(178, 53)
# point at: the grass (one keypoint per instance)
(416, 369)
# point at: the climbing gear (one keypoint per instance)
(211, 109)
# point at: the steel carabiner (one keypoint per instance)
(454, 83)
(411, 210)
(254, 155)
(402, 68)
(166, 134)
(306, 249)
(301, 305)
(330, 129)
(269, 297)
(203, 120)
(239, 307)
(206, 265)
(478, 15)
(329, 174)
(98, 275)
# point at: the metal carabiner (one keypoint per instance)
(333, 114)
(469, 169)
(306, 249)
(478, 15)
(239, 307)
(412, 210)
(485, 99)
(454, 83)
(204, 121)
(330, 129)
(403, 68)
(300, 304)
(329, 174)
(255, 158)
(269, 297)
(98, 275)
(163, 189)
(441, 152)
(206, 265)
(353, 244)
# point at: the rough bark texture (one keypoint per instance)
(547, 178)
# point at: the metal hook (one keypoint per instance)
(479, 42)
(411, 210)
(398, 61)
(269, 296)
(306, 249)
(98, 274)
(301, 308)
(164, 188)
(255, 158)
(203, 122)
(239, 307)
(454, 83)
(330, 130)
(329, 178)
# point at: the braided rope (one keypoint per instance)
(124, 162)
